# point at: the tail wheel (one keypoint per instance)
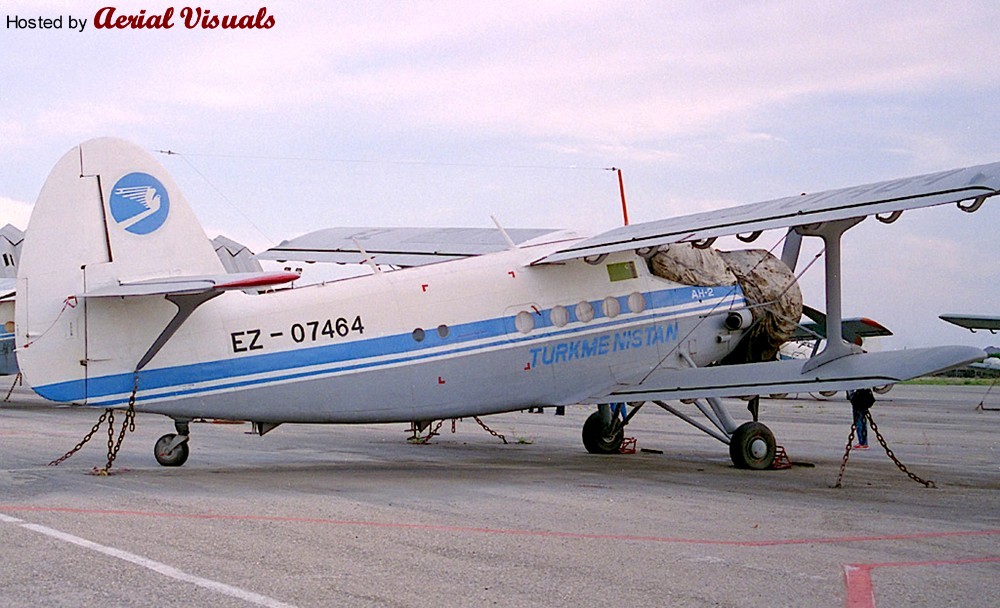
(752, 446)
(599, 439)
(170, 457)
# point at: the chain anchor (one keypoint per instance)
(417, 439)
(927, 483)
(847, 454)
(424, 440)
(18, 381)
(982, 402)
(128, 425)
(489, 430)
(888, 452)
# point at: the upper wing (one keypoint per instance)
(973, 322)
(396, 246)
(857, 371)
(968, 184)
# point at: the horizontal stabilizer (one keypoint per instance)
(862, 370)
(396, 246)
(852, 329)
(973, 184)
(194, 284)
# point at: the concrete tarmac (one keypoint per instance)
(356, 515)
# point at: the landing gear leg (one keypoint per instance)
(603, 432)
(171, 450)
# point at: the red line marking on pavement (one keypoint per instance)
(858, 577)
(503, 531)
(860, 593)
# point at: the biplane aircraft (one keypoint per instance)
(973, 323)
(122, 302)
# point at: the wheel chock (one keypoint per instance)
(781, 460)
(628, 446)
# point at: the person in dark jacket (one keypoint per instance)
(861, 400)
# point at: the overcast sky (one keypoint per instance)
(442, 113)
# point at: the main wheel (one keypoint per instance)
(752, 446)
(170, 458)
(599, 439)
(881, 390)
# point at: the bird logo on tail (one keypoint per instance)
(139, 203)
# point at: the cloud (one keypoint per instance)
(83, 118)
(13, 134)
(668, 72)
(632, 77)
(14, 212)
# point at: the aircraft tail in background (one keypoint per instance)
(109, 214)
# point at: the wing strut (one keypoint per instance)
(701, 427)
(716, 413)
(790, 251)
(836, 347)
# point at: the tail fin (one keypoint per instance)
(108, 213)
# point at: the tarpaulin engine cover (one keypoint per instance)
(768, 285)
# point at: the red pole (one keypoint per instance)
(621, 188)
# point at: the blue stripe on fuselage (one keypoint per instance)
(403, 346)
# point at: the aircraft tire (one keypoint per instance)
(881, 390)
(595, 437)
(752, 446)
(173, 458)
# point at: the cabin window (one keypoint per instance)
(559, 316)
(443, 331)
(524, 322)
(636, 302)
(611, 306)
(418, 335)
(584, 312)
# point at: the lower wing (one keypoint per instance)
(862, 370)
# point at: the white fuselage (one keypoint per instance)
(474, 336)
